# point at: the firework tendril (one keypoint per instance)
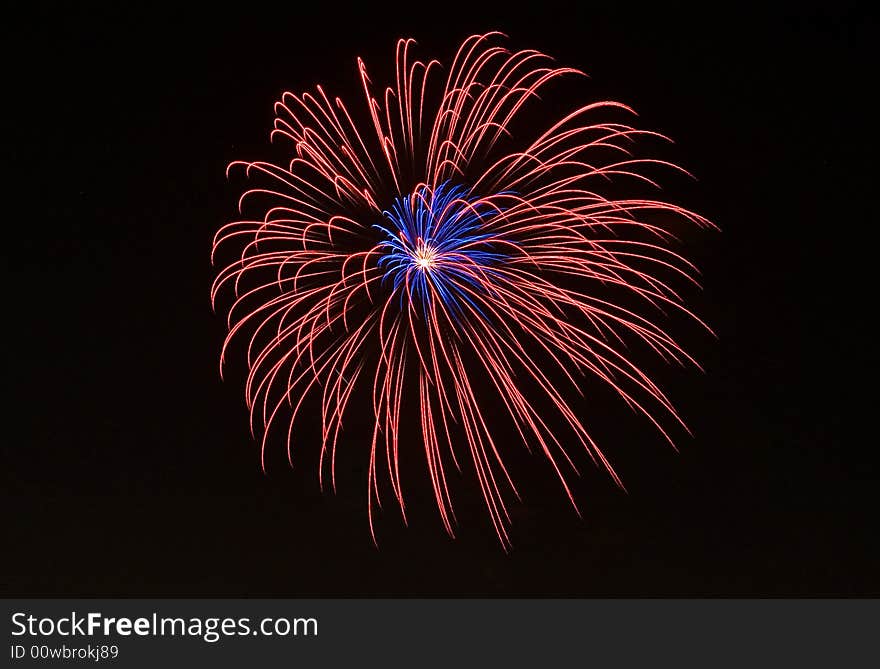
(426, 254)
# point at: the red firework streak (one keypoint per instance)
(431, 248)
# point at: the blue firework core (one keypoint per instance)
(438, 245)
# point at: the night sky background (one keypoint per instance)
(128, 469)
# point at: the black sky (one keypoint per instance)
(128, 468)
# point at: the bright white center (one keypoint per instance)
(424, 257)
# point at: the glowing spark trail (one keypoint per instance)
(429, 254)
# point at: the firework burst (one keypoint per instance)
(425, 251)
